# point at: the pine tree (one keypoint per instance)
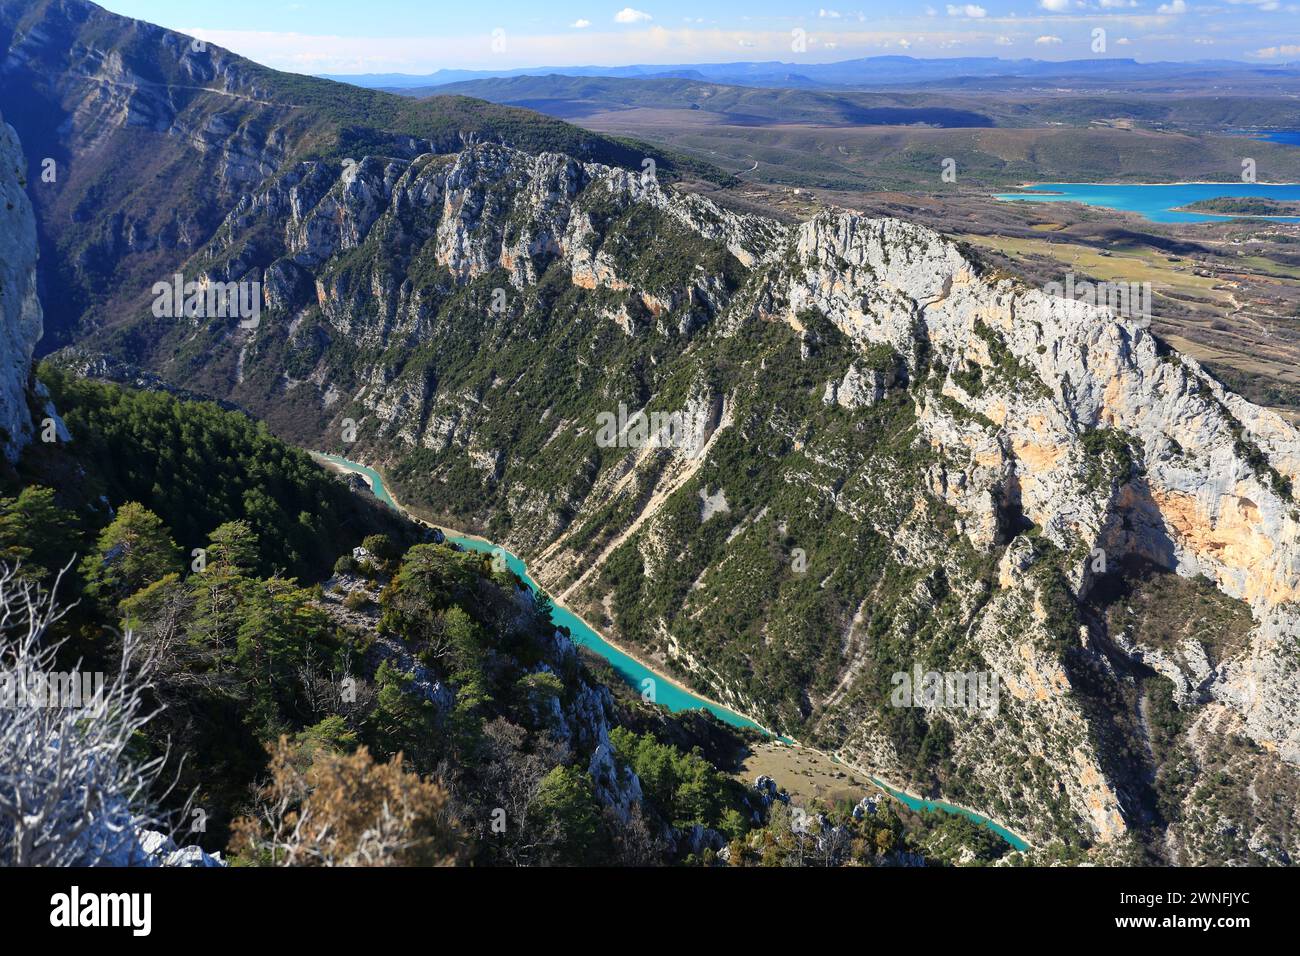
(133, 551)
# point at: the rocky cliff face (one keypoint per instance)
(20, 310)
(1111, 447)
(157, 136)
(966, 466)
(1208, 488)
(888, 460)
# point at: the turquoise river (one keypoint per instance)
(634, 672)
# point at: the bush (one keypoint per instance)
(356, 600)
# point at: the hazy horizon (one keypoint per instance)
(406, 37)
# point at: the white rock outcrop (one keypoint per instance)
(1214, 490)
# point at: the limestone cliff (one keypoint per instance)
(1210, 490)
(922, 463)
(20, 310)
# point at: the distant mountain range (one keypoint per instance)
(873, 71)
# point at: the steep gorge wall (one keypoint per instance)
(1050, 429)
(1213, 488)
(20, 310)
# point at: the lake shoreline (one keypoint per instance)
(1191, 182)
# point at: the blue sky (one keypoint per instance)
(409, 36)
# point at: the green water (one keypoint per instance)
(665, 692)
(376, 482)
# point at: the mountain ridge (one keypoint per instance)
(887, 456)
(1021, 410)
(122, 107)
(840, 73)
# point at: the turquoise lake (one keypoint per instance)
(1291, 137)
(670, 695)
(1157, 202)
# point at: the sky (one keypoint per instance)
(421, 36)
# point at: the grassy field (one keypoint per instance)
(1209, 313)
(911, 157)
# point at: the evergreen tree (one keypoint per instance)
(133, 551)
(35, 533)
(232, 548)
(567, 809)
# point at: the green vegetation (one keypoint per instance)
(1109, 456)
(1007, 366)
(199, 467)
(1244, 206)
(685, 785)
(1155, 607)
(456, 694)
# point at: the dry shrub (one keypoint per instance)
(331, 809)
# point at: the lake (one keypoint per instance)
(1156, 202)
(1291, 137)
(673, 696)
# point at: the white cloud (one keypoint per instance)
(971, 10)
(828, 14)
(580, 24)
(1272, 52)
(1123, 41)
(905, 43)
(1003, 41)
(1174, 6)
(628, 15)
(1048, 41)
(1056, 6)
(1114, 4)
